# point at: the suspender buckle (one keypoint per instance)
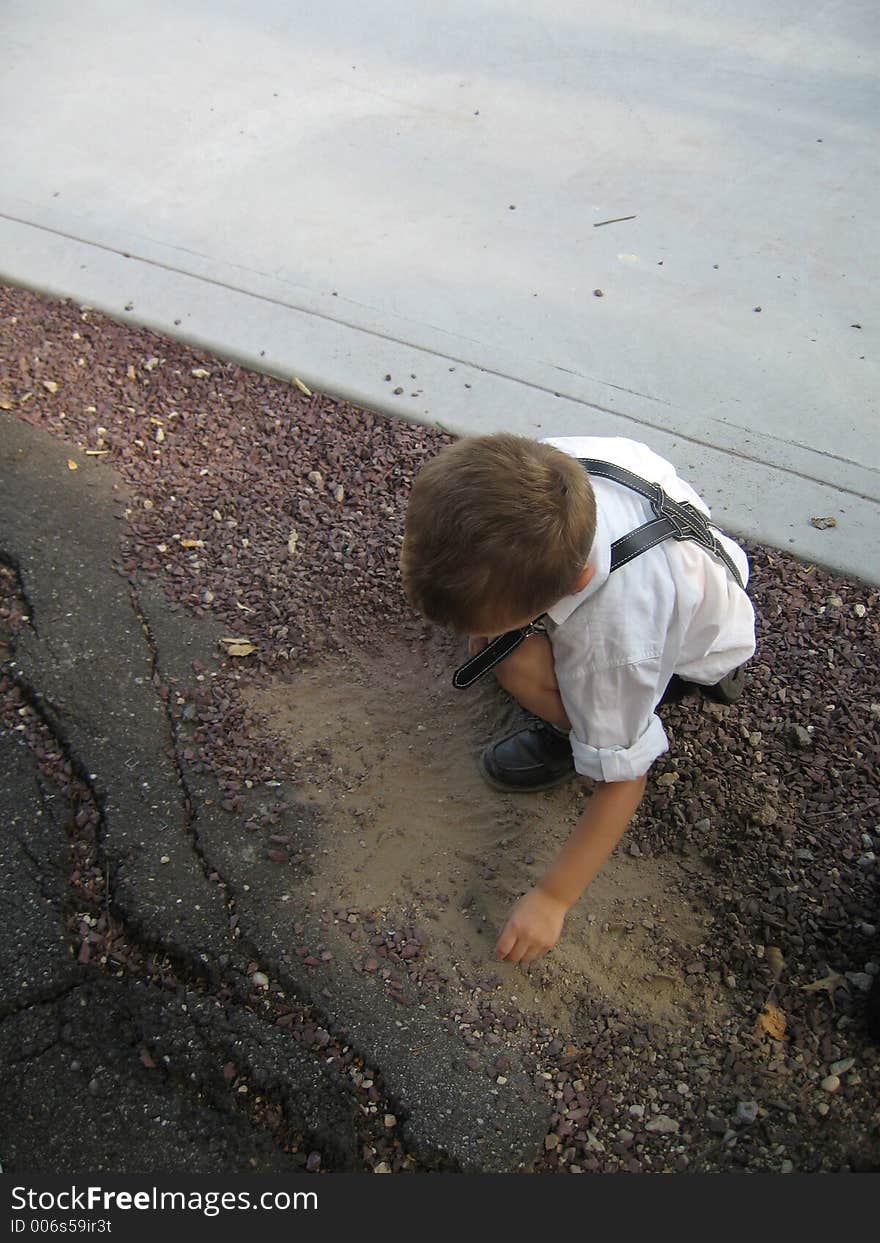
(686, 520)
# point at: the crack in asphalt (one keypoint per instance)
(44, 997)
(12, 563)
(190, 814)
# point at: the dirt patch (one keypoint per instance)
(416, 839)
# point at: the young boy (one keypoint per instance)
(502, 530)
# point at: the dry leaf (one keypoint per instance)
(771, 1022)
(238, 647)
(71, 465)
(828, 984)
(302, 387)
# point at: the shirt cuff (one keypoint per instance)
(621, 763)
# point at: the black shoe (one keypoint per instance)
(534, 757)
(729, 689)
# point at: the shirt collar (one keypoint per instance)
(600, 558)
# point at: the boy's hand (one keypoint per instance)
(533, 927)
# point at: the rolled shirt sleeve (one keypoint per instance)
(621, 763)
(623, 736)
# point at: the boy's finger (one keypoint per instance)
(506, 942)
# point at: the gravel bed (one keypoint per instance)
(280, 513)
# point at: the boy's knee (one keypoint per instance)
(530, 663)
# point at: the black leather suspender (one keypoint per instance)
(678, 520)
(673, 520)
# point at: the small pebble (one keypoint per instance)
(747, 1112)
(841, 1067)
(830, 1084)
(662, 1125)
(860, 979)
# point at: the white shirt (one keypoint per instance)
(673, 609)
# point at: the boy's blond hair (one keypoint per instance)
(497, 527)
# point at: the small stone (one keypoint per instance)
(835, 602)
(746, 1112)
(165, 859)
(667, 779)
(382, 1168)
(862, 980)
(598, 293)
(390, 1120)
(636, 1111)
(830, 1084)
(339, 494)
(398, 391)
(859, 610)
(635, 850)
(841, 1067)
(551, 1141)
(801, 736)
(823, 1107)
(260, 979)
(867, 860)
(662, 1125)
(313, 1163)
(786, 1167)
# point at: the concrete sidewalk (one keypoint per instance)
(353, 192)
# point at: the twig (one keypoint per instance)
(597, 224)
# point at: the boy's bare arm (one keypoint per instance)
(535, 923)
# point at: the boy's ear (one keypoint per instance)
(583, 578)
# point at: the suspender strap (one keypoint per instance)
(678, 520)
(493, 654)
